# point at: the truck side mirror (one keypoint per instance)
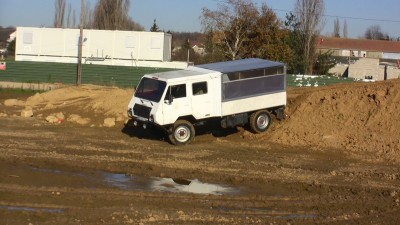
(169, 100)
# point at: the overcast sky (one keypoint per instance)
(183, 15)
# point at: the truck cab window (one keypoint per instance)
(177, 91)
(199, 88)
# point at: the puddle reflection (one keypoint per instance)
(30, 209)
(136, 183)
(127, 182)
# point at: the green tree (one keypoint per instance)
(324, 63)
(296, 62)
(155, 27)
(11, 47)
(213, 53)
(241, 30)
(268, 37)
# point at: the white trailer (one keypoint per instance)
(105, 47)
(234, 93)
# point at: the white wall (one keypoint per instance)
(391, 55)
(99, 47)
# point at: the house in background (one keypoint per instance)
(198, 48)
(12, 37)
(364, 59)
(362, 48)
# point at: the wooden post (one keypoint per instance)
(79, 76)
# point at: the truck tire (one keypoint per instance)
(182, 132)
(260, 121)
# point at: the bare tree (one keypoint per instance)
(345, 29)
(69, 11)
(309, 15)
(88, 16)
(111, 15)
(375, 33)
(59, 13)
(74, 18)
(132, 25)
(336, 28)
(231, 21)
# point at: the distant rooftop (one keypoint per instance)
(359, 44)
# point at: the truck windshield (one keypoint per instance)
(150, 89)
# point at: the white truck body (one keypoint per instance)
(227, 91)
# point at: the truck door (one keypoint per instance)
(202, 100)
(176, 103)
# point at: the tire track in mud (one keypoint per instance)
(204, 207)
(278, 184)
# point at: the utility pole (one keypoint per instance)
(188, 51)
(79, 76)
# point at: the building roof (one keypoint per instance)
(240, 65)
(196, 43)
(359, 44)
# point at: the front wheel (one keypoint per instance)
(260, 121)
(182, 132)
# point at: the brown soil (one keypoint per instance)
(334, 160)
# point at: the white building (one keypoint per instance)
(124, 48)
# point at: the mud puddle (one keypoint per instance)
(193, 186)
(31, 209)
(147, 184)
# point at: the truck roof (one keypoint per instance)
(216, 69)
(241, 65)
(190, 72)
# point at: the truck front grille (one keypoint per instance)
(141, 111)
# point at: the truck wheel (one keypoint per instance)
(260, 121)
(182, 133)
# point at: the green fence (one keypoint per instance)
(66, 73)
(121, 76)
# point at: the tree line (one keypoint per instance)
(236, 29)
(241, 29)
(106, 15)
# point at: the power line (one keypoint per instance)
(346, 17)
(324, 15)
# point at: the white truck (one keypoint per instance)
(233, 93)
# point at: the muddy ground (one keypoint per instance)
(69, 173)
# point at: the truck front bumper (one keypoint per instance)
(143, 122)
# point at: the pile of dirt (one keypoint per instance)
(355, 117)
(88, 100)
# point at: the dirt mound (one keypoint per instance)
(355, 117)
(93, 101)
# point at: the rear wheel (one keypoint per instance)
(182, 132)
(260, 121)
